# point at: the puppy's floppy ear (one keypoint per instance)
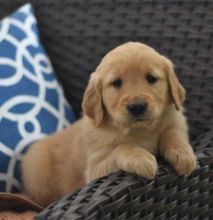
(176, 89)
(92, 102)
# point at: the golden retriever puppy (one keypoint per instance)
(132, 111)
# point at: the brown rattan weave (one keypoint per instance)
(76, 34)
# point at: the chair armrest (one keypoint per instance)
(126, 196)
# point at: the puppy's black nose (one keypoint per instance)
(137, 109)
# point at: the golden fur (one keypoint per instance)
(106, 139)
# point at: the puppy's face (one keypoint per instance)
(132, 86)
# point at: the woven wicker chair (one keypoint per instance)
(77, 33)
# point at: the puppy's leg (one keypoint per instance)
(38, 175)
(99, 164)
(175, 148)
(135, 160)
(124, 157)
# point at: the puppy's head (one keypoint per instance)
(131, 87)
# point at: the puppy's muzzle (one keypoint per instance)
(137, 110)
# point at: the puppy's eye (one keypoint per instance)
(151, 79)
(117, 83)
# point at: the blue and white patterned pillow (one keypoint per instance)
(32, 103)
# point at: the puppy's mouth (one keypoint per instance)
(135, 120)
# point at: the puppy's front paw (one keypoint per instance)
(141, 162)
(182, 159)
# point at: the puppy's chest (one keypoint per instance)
(146, 140)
